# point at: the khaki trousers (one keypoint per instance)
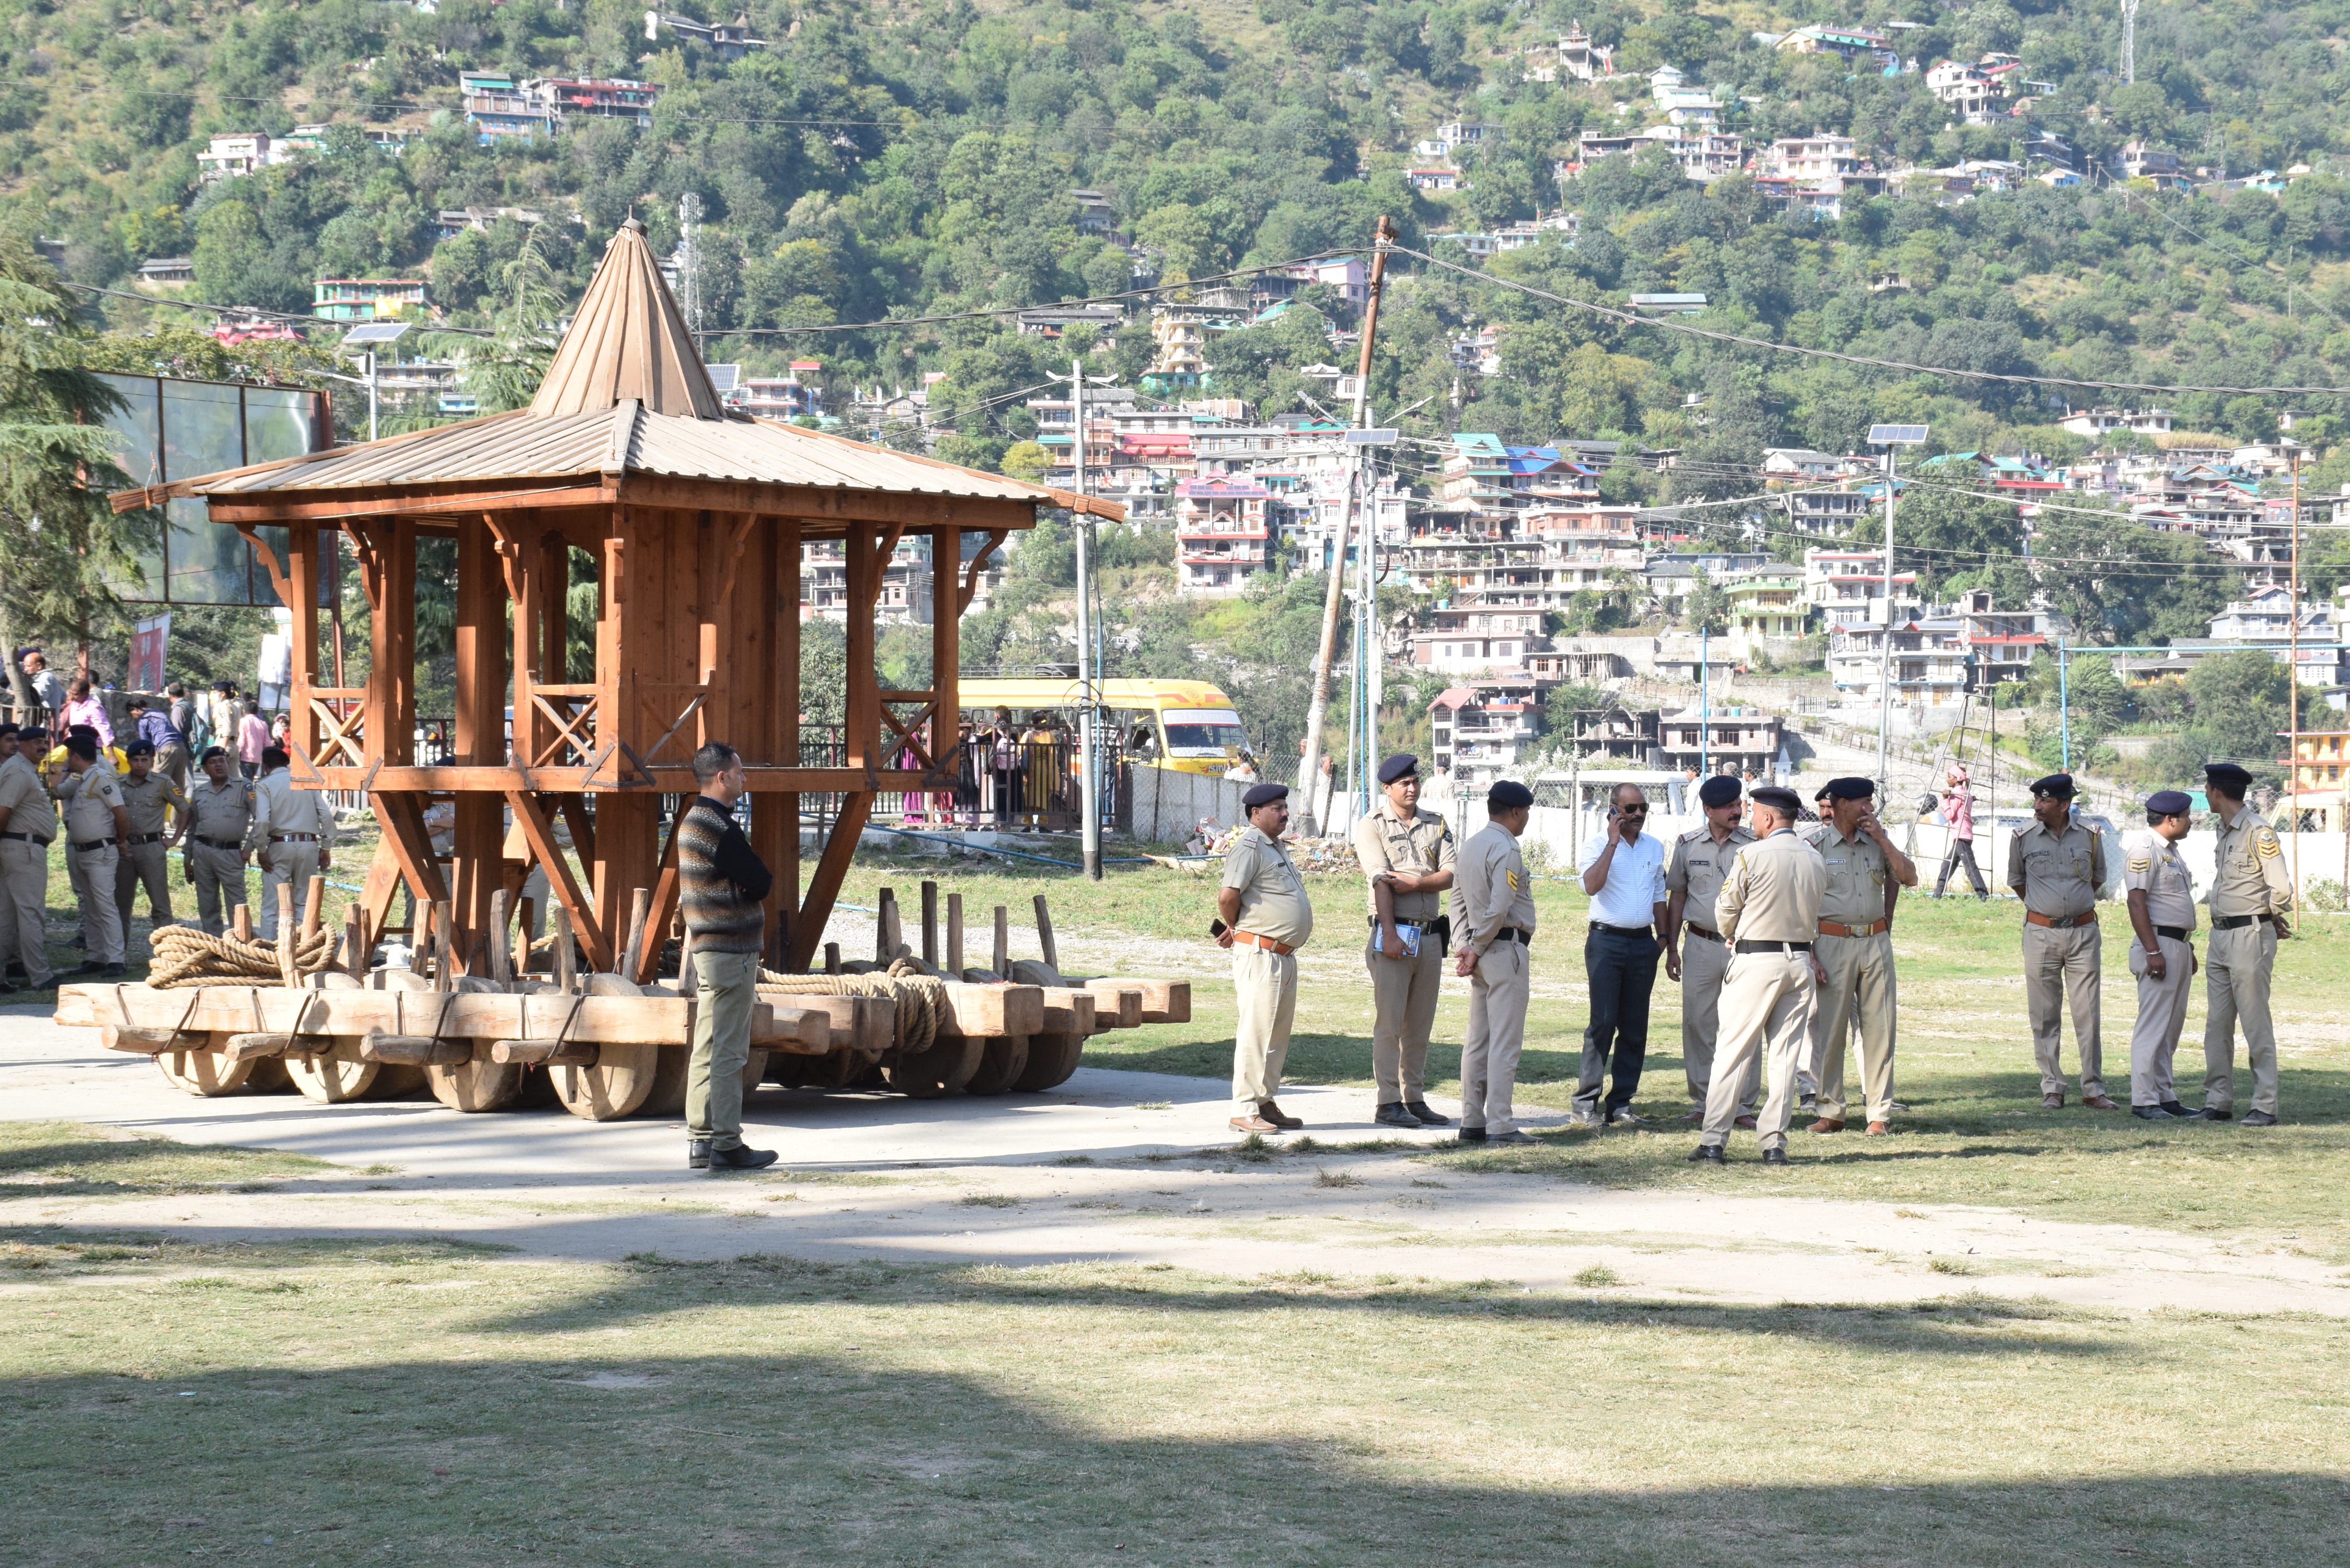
(291, 862)
(172, 762)
(2236, 969)
(1403, 997)
(2161, 1014)
(24, 908)
(219, 875)
(1766, 1009)
(2061, 967)
(148, 863)
(725, 989)
(92, 873)
(1496, 1037)
(1705, 963)
(1265, 984)
(1861, 986)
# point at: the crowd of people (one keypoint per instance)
(1779, 930)
(204, 774)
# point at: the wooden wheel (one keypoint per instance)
(480, 1084)
(668, 1095)
(207, 1074)
(1051, 1059)
(333, 1079)
(617, 1085)
(834, 1070)
(396, 1081)
(940, 1070)
(1001, 1062)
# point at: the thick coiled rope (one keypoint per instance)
(922, 999)
(186, 955)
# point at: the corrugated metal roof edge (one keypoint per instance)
(1063, 498)
(156, 494)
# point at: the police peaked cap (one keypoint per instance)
(1850, 789)
(2057, 785)
(2228, 776)
(1403, 764)
(1508, 795)
(2169, 803)
(1785, 801)
(1719, 790)
(1264, 795)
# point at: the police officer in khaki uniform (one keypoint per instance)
(2161, 893)
(1769, 906)
(1700, 859)
(1493, 910)
(26, 826)
(148, 794)
(1408, 853)
(294, 833)
(220, 811)
(1865, 875)
(2251, 890)
(96, 826)
(1265, 919)
(2056, 866)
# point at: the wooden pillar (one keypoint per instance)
(775, 816)
(480, 731)
(627, 848)
(861, 713)
(946, 600)
(302, 571)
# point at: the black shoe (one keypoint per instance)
(2153, 1114)
(697, 1153)
(2259, 1119)
(2208, 1114)
(1394, 1115)
(2176, 1109)
(1779, 1156)
(1708, 1154)
(111, 971)
(1472, 1134)
(1513, 1135)
(95, 966)
(740, 1157)
(1427, 1117)
(7, 990)
(15, 970)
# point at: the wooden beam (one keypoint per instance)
(946, 627)
(401, 812)
(831, 871)
(861, 710)
(664, 903)
(820, 504)
(778, 840)
(286, 506)
(479, 737)
(667, 779)
(531, 819)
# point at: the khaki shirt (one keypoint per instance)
(221, 811)
(2056, 873)
(146, 799)
(26, 800)
(280, 808)
(1696, 869)
(90, 802)
(1774, 890)
(1385, 842)
(1273, 896)
(1856, 874)
(1490, 888)
(2250, 875)
(2152, 865)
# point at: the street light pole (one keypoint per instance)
(1888, 437)
(1089, 811)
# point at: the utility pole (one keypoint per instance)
(2129, 41)
(1089, 817)
(1309, 765)
(2292, 692)
(1704, 702)
(689, 264)
(1888, 437)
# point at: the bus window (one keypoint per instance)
(1202, 732)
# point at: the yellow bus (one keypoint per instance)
(1187, 725)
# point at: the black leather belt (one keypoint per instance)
(218, 842)
(1411, 920)
(1697, 930)
(26, 838)
(294, 837)
(2176, 933)
(1746, 947)
(2238, 922)
(1513, 934)
(93, 844)
(1624, 930)
(143, 839)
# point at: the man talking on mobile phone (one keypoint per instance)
(1624, 871)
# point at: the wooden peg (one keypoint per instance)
(240, 920)
(954, 934)
(930, 924)
(500, 953)
(444, 973)
(314, 904)
(355, 945)
(1003, 964)
(641, 909)
(832, 958)
(564, 960)
(288, 939)
(886, 937)
(1044, 935)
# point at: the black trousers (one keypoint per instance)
(1622, 969)
(1963, 853)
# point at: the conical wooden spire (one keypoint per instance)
(629, 340)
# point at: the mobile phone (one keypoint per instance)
(1215, 928)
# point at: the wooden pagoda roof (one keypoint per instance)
(627, 399)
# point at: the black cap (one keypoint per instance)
(2228, 776)
(210, 752)
(2058, 786)
(83, 746)
(7, 729)
(1403, 764)
(1851, 789)
(1508, 795)
(1780, 800)
(1264, 795)
(1719, 790)
(2169, 803)
(31, 733)
(1822, 793)
(139, 749)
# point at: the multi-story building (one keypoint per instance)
(1616, 734)
(1852, 43)
(727, 40)
(1938, 655)
(367, 298)
(905, 597)
(450, 222)
(1226, 533)
(1481, 729)
(1726, 740)
(1703, 153)
(2106, 421)
(778, 397)
(1968, 89)
(233, 154)
(1483, 473)
(1768, 613)
(1494, 635)
(1847, 587)
(2137, 160)
(498, 107)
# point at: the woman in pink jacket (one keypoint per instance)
(1958, 815)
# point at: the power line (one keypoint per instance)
(398, 106)
(1632, 318)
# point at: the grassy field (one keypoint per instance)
(412, 1402)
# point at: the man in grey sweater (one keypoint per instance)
(721, 889)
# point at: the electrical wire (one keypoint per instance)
(398, 106)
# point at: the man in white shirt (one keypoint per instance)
(1624, 872)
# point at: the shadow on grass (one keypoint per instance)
(64, 1160)
(53, 1251)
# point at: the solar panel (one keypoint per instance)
(1896, 435)
(374, 332)
(1372, 438)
